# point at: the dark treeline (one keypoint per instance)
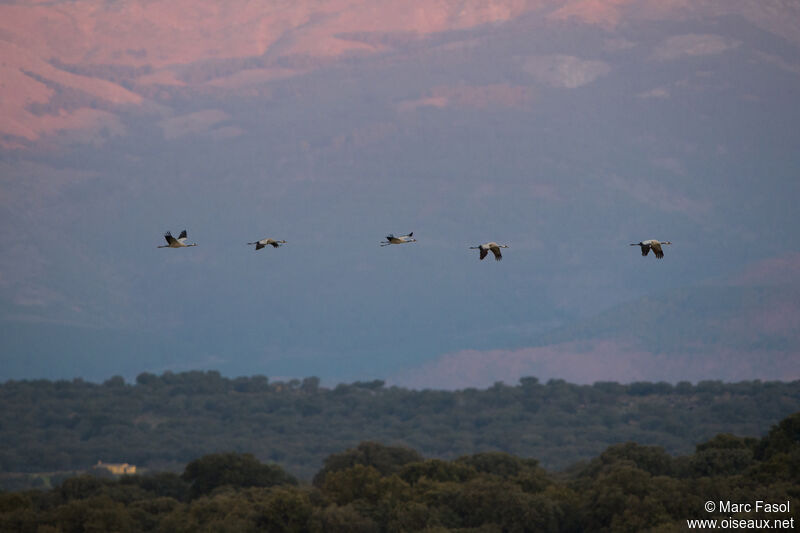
(377, 488)
(163, 422)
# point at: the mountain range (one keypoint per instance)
(567, 129)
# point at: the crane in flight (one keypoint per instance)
(651, 244)
(180, 242)
(490, 247)
(402, 239)
(266, 242)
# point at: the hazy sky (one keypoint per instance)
(566, 129)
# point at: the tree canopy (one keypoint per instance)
(377, 488)
(52, 429)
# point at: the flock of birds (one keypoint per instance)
(484, 249)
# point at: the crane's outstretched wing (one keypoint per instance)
(496, 251)
(645, 249)
(170, 238)
(657, 250)
(484, 253)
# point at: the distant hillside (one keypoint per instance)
(696, 333)
(740, 318)
(566, 129)
(165, 421)
(91, 61)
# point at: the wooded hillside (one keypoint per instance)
(163, 422)
(373, 488)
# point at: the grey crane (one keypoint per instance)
(401, 239)
(266, 242)
(180, 242)
(652, 244)
(490, 247)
